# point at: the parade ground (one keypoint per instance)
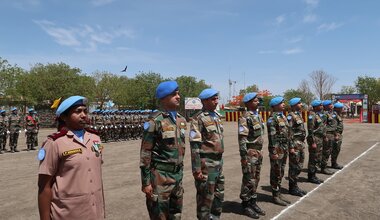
(351, 193)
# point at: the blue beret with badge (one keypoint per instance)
(69, 102)
(276, 100)
(326, 102)
(248, 97)
(166, 88)
(338, 105)
(207, 93)
(316, 103)
(294, 101)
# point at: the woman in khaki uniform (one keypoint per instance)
(70, 175)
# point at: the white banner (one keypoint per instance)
(192, 103)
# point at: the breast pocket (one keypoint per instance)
(168, 137)
(257, 129)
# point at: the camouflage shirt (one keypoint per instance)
(3, 124)
(163, 141)
(339, 126)
(15, 123)
(206, 137)
(251, 130)
(331, 122)
(296, 124)
(316, 125)
(279, 134)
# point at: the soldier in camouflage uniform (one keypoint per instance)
(331, 125)
(14, 127)
(251, 130)
(316, 135)
(31, 127)
(162, 154)
(207, 147)
(280, 144)
(3, 131)
(339, 136)
(296, 160)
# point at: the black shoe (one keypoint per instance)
(278, 201)
(327, 171)
(295, 191)
(336, 166)
(248, 210)
(314, 180)
(304, 192)
(256, 208)
(284, 199)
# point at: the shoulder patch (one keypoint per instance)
(41, 154)
(269, 121)
(310, 117)
(241, 128)
(192, 134)
(146, 125)
(289, 117)
(59, 134)
(154, 114)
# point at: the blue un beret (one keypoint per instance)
(13, 109)
(248, 97)
(276, 100)
(207, 93)
(294, 101)
(31, 110)
(71, 101)
(316, 103)
(338, 105)
(327, 102)
(166, 88)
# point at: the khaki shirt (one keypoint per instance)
(78, 188)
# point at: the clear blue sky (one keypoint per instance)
(272, 43)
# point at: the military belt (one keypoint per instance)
(254, 146)
(211, 156)
(167, 167)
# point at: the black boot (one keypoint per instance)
(294, 190)
(283, 198)
(313, 179)
(277, 200)
(255, 207)
(28, 147)
(326, 171)
(248, 210)
(336, 166)
(12, 150)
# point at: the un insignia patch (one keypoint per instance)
(146, 125)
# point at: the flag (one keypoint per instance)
(56, 103)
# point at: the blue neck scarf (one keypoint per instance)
(79, 134)
(173, 115)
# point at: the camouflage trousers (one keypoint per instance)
(167, 199)
(210, 192)
(13, 139)
(31, 136)
(3, 141)
(296, 161)
(251, 174)
(315, 155)
(336, 149)
(277, 168)
(327, 148)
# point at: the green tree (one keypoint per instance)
(9, 78)
(370, 86)
(348, 90)
(252, 88)
(45, 83)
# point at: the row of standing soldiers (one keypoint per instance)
(11, 125)
(118, 125)
(163, 149)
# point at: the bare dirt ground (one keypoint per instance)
(352, 193)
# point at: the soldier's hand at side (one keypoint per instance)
(292, 151)
(148, 190)
(314, 145)
(198, 175)
(274, 156)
